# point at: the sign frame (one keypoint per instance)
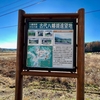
(73, 21)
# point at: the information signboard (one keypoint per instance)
(50, 44)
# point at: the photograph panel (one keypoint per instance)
(31, 33)
(33, 41)
(62, 39)
(46, 41)
(40, 33)
(48, 33)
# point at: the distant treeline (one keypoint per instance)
(7, 50)
(92, 46)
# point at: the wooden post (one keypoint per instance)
(19, 65)
(80, 71)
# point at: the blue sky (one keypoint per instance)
(8, 36)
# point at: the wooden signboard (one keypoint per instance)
(50, 45)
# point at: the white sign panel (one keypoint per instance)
(50, 45)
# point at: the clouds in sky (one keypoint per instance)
(9, 45)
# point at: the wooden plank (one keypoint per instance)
(80, 61)
(61, 15)
(19, 65)
(50, 74)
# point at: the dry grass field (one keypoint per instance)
(44, 88)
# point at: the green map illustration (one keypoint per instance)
(39, 56)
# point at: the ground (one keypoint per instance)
(44, 88)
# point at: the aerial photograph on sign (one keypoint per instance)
(39, 56)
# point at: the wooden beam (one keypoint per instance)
(61, 15)
(50, 74)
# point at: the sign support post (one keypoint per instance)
(19, 64)
(80, 57)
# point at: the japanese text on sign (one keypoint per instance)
(49, 25)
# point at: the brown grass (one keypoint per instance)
(92, 69)
(52, 88)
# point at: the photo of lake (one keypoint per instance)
(62, 39)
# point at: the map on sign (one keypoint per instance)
(39, 56)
